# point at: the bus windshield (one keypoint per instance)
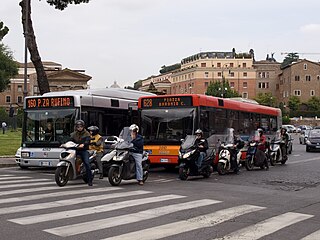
(167, 125)
(49, 127)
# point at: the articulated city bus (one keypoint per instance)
(109, 109)
(167, 119)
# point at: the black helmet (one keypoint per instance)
(94, 130)
(80, 122)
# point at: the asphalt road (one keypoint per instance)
(282, 203)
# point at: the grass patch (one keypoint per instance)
(10, 142)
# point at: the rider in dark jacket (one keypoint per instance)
(202, 145)
(284, 143)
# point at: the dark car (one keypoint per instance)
(313, 142)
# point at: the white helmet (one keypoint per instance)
(134, 128)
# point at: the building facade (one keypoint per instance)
(301, 79)
(59, 80)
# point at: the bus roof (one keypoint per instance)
(120, 93)
(226, 103)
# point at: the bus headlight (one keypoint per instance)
(25, 154)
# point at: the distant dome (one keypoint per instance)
(115, 85)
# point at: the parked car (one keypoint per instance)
(313, 142)
(303, 137)
(290, 144)
(290, 128)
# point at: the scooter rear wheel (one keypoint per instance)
(183, 173)
(61, 176)
(114, 176)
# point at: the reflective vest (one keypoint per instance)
(94, 147)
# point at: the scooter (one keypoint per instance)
(70, 165)
(255, 157)
(122, 164)
(276, 150)
(110, 152)
(188, 155)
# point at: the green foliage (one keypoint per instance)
(62, 4)
(221, 89)
(3, 30)
(285, 120)
(10, 142)
(8, 67)
(314, 104)
(266, 99)
(294, 103)
(290, 58)
(165, 69)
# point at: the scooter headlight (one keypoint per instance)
(188, 154)
(223, 154)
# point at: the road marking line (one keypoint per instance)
(48, 195)
(313, 236)
(85, 227)
(91, 210)
(303, 161)
(266, 227)
(25, 180)
(29, 190)
(191, 224)
(26, 185)
(8, 177)
(69, 202)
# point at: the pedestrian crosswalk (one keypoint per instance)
(75, 210)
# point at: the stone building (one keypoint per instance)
(59, 80)
(301, 79)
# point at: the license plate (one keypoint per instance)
(164, 160)
(317, 146)
(45, 163)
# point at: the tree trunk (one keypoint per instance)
(42, 79)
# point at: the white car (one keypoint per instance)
(290, 128)
(18, 155)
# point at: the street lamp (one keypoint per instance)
(25, 89)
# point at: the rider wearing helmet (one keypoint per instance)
(285, 139)
(262, 146)
(202, 145)
(82, 137)
(137, 151)
(96, 143)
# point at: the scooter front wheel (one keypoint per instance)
(61, 176)
(250, 163)
(114, 176)
(221, 168)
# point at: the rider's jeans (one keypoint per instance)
(200, 159)
(85, 158)
(138, 159)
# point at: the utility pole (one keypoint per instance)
(26, 34)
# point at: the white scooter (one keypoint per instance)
(70, 165)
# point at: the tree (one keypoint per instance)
(294, 103)
(25, 5)
(8, 67)
(266, 99)
(290, 58)
(3, 30)
(314, 104)
(221, 89)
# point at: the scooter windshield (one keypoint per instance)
(188, 142)
(229, 138)
(126, 139)
(277, 137)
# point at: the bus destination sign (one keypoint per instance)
(49, 102)
(166, 102)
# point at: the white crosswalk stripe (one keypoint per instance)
(54, 194)
(76, 229)
(92, 210)
(22, 181)
(9, 177)
(266, 227)
(69, 202)
(20, 185)
(312, 236)
(170, 229)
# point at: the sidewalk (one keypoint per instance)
(7, 161)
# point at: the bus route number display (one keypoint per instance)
(49, 102)
(166, 102)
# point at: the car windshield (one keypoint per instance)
(314, 134)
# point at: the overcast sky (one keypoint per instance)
(128, 40)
